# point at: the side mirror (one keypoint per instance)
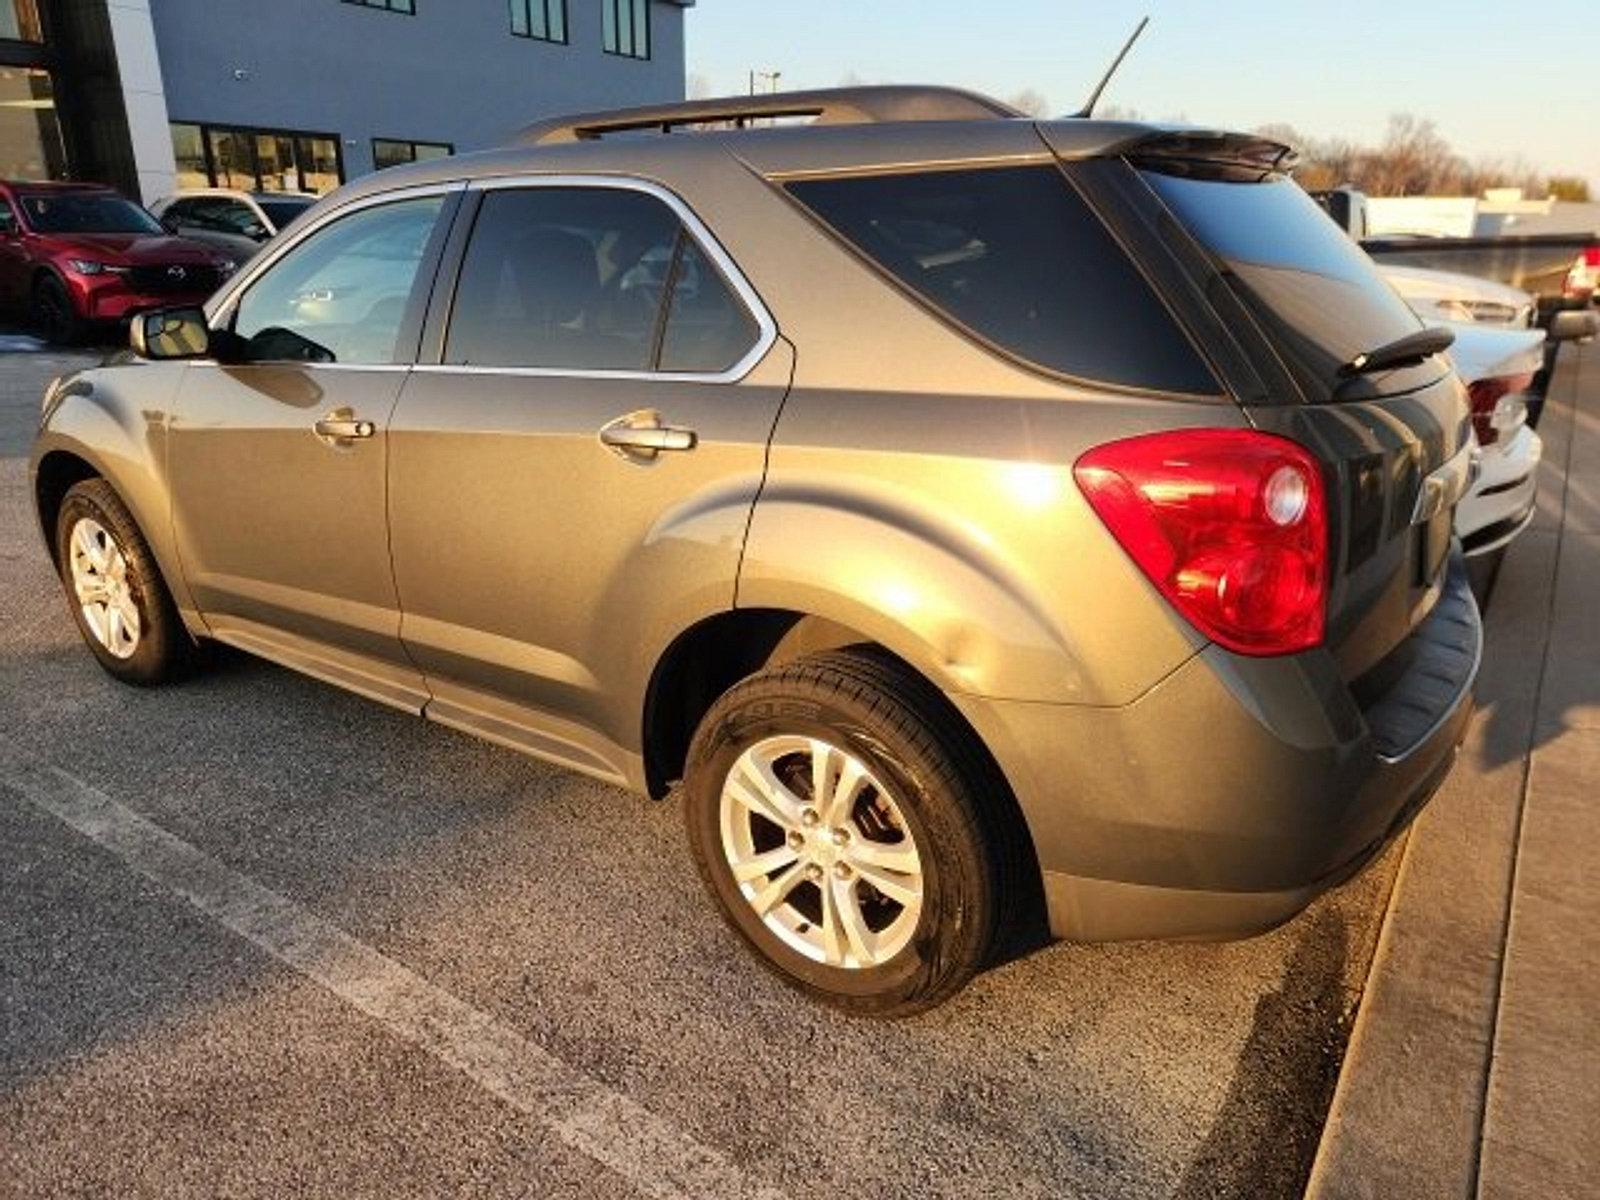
(171, 333)
(1574, 326)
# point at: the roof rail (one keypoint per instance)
(830, 106)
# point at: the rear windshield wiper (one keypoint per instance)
(1412, 348)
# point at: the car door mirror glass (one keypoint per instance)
(173, 333)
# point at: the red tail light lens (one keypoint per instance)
(1591, 256)
(1230, 524)
(1484, 394)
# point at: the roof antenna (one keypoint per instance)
(1094, 97)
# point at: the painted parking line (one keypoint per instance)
(647, 1151)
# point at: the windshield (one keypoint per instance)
(281, 212)
(86, 212)
(1310, 285)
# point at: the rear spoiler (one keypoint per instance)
(1212, 154)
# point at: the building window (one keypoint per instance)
(625, 25)
(545, 20)
(19, 21)
(388, 152)
(256, 160)
(30, 135)
(409, 7)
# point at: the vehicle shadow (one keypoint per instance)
(1265, 1136)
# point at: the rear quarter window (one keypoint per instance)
(1017, 257)
(1305, 280)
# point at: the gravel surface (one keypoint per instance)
(146, 1048)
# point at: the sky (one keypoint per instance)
(1502, 79)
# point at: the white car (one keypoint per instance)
(237, 223)
(1445, 297)
(1498, 366)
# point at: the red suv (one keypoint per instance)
(73, 255)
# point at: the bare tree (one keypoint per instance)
(1031, 102)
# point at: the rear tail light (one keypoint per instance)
(1580, 280)
(1229, 524)
(1489, 396)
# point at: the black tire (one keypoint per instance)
(53, 314)
(164, 650)
(901, 729)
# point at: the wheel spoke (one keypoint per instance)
(834, 938)
(898, 857)
(836, 782)
(754, 784)
(769, 897)
(901, 888)
(848, 908)
(765, 863)
(89, 543)
(130, 615)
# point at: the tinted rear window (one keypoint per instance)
(1016, 256)
(1305, 280)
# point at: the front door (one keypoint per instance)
(571, 485)
(279, 455)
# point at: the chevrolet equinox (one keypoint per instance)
(994, 524)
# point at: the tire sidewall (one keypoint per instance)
(948, 883)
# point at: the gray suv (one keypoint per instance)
(997, 526)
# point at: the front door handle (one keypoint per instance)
(340, 426)
(642, 435)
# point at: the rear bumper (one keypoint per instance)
(1500, 504)
(1236, 790)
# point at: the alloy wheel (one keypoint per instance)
(103, 588)
(822, 851)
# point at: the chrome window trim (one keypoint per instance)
(221, 306)
(767, 328)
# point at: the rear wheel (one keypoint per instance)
(834, 812)
(57, 321)
(116, 593)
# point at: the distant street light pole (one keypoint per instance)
(768, 77)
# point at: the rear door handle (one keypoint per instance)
(341, 428)
(641, 434)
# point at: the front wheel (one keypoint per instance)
(834, 810)
(57, 320)
(118, 599)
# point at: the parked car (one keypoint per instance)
(1499, 367)
(1558, 268)
(988, 521)
(75, 255)
(1451, 298)
(234, 222)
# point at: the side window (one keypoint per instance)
(708, 327)
(8, 218)
(1017, 257)
(234, 217)
(576, 279)
(180, 212)
(563, 278)
(342, 294)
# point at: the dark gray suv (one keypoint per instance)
(996, 525)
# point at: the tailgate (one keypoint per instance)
(1395, 443)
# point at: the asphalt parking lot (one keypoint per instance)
(260, 937)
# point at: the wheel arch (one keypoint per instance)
(89, 434)
(717, 652)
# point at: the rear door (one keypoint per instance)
(1303, 301)
(572, 476)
